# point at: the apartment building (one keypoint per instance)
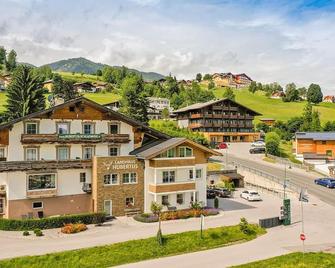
(221, 120)
(231, 80)
(81, 157)
(156, 106)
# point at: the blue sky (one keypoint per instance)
(283, 41)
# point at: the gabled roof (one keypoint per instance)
(208, 103)
(316, 136)
(98, 106)
(153, 149)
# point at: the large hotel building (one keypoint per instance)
(221, 120)
(81, 157)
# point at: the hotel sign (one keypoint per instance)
(80, 136)
(124, 164)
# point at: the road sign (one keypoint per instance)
(302, 237)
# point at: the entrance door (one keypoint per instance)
(108, 207)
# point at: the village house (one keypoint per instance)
(221, 120)
(231, 80)
(277, 95)
(5, 81)
(156, 106)
(268, 121)
(83, 87)
(48, 85)
(81, 157)
(330, 99)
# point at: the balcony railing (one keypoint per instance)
(73, 138)
(172, 187)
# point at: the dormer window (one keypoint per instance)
(185, 152)
(31, 128)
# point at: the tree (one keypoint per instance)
(253, 87)
(11, 61)
(307, 117)
(316, 124)
(291, 94)
(64, 89)
(229, 94)
(211, 85)
(329, 126)
(165, 113)
(156, 209)
(261, 126)
(302, 92)
(198, 77)
(43, 72)
(2, 55)
(134, 102)
(314, 94)
(272, 142)
(207, 77)
(99, 72)
(24, 94)
(259, 87)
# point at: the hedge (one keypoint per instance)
(53, 222)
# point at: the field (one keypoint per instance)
(295, 260)
(139, 250)
(80, 78)
(276, 108)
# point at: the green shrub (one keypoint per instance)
(25, 233)
(38, 232)
(48, 223)
(245, 227)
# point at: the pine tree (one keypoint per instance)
(2, 55)
(11, 61)
(316, 124)
(24, 94)
(307, 117)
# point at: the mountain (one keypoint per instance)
(82, 65)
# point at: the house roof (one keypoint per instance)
(208, 103)
(47, 81)
(102, 108)
(153, 149)
(316, 136)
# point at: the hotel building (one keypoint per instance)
(81, 157)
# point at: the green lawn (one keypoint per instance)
(276, 108)
(80, 78)
(295, 260)
(137, 250)
(3, 99)
(102, 98)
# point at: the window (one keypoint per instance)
(88, 152)
(114, 128)
(63, 153)
(130, 201)
(41, 182)
(165, 200)
(63, 128)
(31, 128)
(169, 153)
(37, 205)
(324, 142)
(169, 176)
(2, 152)
(88, 128)
(129, 178)
(113, 151)
(185, 152)
(180, 199)
(195, 194)
(2, 205)
(190, 174)
(110, 179)
(72, 108)
(82, 177)
(31, 154)
(198, 173)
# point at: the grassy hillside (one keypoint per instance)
(80, 78)
(276, 108)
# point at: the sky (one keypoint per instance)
(282, 41)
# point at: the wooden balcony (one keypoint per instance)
(42, 193)
(172, 162)
(196, 115)
(44, 165)
(73, 138)
(172, 187)
(195, 125)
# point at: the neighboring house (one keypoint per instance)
(48, 85)
(315, 145)
(81, 157)
(219, 120)
(185, 82)
(277, 95)
(115, 105)
(268, 121)
(231, 80)
(5, 81)
(156, 106)
(84, 87)
(99, 86)
(329, 99)
(216, 176)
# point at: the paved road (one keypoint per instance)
(238, 153)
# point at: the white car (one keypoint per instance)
(251, 195)
(258, 143)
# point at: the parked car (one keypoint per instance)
(257, 150)
(251, 195)
(258, 143)
(222, 192)
(222, 145)
(211, 194)
(327, 182)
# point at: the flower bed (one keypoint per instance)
(175, 215)
(73, 228)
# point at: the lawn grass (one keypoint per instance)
(276, 108)
(286, 151)
(80, 77)
(3, 100)
(295, 260)
(102, 98)
(137, 250)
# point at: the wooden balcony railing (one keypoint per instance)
(73, 138)
(172, 187)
